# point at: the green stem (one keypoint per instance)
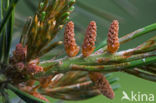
(25, 96)
(99, 68)
(26, 30)
(50, 47)
(1, 41)
(142, 75)
(8, 14)
(9, 36)
(74, 87)
(1, 9)
(148, 68)
(97, 59)
(69, 87)
(101, 45)
(119, 62)
(138, 33)
(115, 67)
(120, 59)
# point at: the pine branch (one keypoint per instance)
(122, 61)
(85, 70)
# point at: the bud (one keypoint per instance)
(36, 19)
(102, 84)
(19, 66)
(71, 2)
(69, 41)
(20, 53)
(43, 15)
(89, 40)
(41, 5)
(113, 40)
(33, 68)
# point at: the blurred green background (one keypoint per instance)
(132, 15)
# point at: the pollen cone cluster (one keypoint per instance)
(102, 84)
(113, 40)
(88, 46)
(90, 38)
(18, 61)
(69, 41)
